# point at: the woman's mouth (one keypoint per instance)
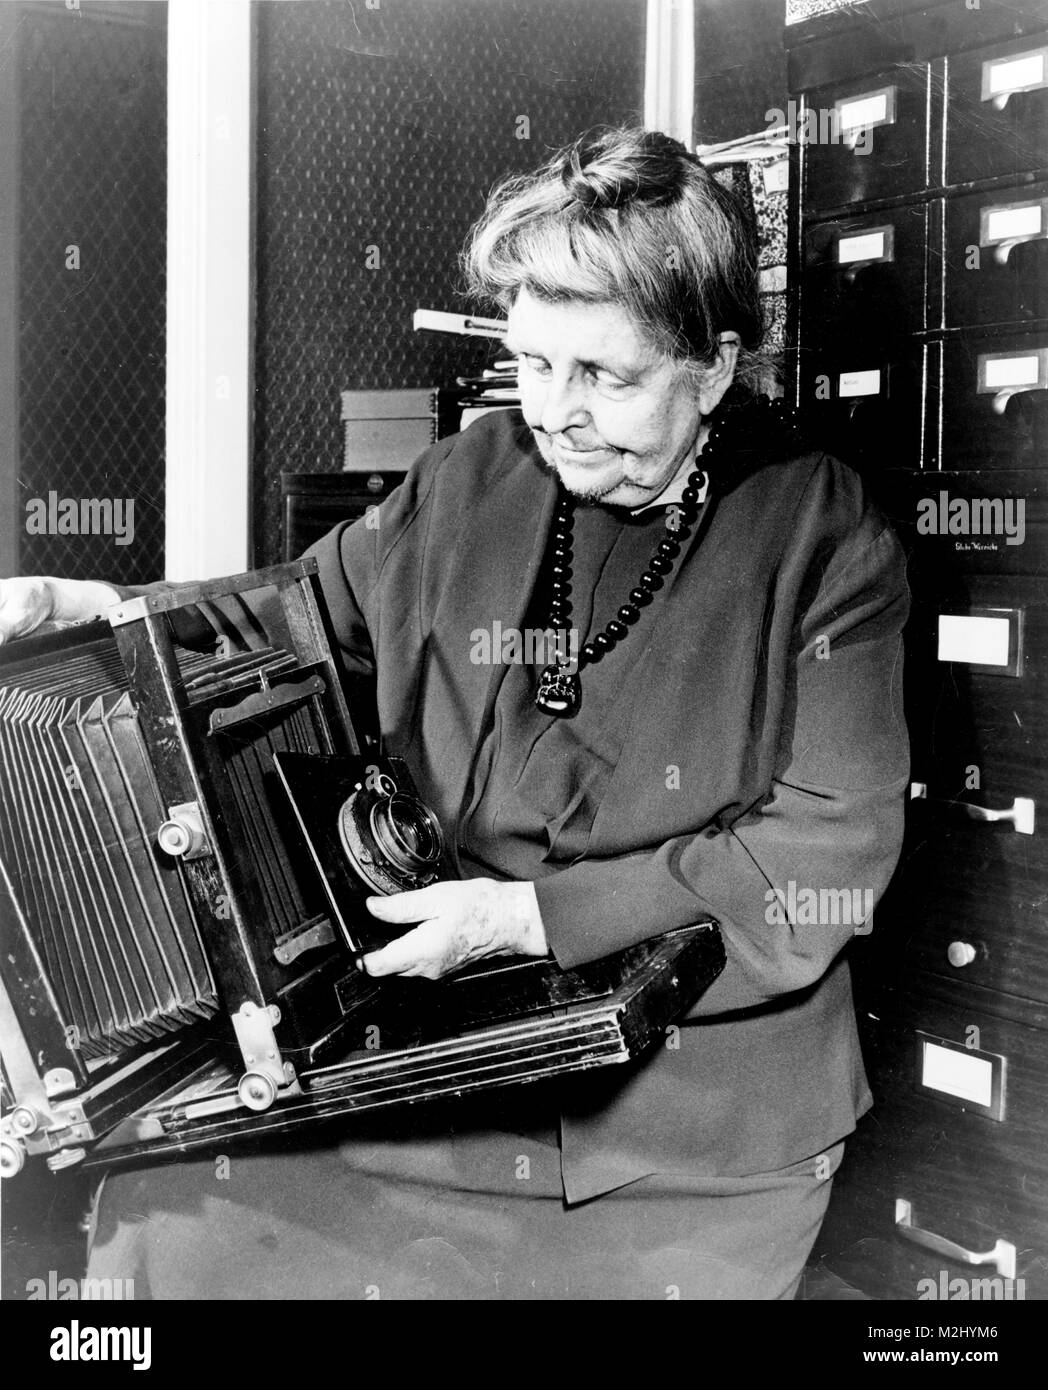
(581, 455)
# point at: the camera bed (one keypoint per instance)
(420, 1041)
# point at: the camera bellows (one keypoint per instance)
(78, 814)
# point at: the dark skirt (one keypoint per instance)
(419, 1213)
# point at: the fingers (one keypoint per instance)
(412, 906)
(419, 952)
(456, 926)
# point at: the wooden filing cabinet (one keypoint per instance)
(918, 329)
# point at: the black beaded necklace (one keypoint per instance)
(745, 433)
(560, 690)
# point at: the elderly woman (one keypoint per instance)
(729, 742)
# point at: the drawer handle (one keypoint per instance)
(1002, 1256)
(1021, 814)
(960, 954)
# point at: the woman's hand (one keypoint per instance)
(460, 922)
(26, 603)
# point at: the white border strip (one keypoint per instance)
(209, 287)
(669, 69)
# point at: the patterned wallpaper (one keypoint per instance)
(380, 132)
(91, 95)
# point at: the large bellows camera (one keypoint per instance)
(187, 837)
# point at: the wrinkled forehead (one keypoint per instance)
(601, 331)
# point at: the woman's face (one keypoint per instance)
(610, 414)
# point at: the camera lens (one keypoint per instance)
(407, 832)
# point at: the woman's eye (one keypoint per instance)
(607, 382)
(535, 364)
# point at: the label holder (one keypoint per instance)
(995, 1108)
(1027, 76)
(1003, 241)
(993, 374)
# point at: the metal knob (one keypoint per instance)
(12, 1158)
(182, 835)
(256, 1090)
(25, 1120)
(960, 953)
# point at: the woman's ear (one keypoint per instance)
(720, 373)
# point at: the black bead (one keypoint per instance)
(589, 652)
(669, 548)
(689, 497)
(659, 564)
(561, 572)
(698, 478)
(641, 597)
(616, 630)
(628, 613)
(650, 581)
(562, 554)
(603, 642)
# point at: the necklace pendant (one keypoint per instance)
(559, 693)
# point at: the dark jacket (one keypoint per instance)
(769, 675)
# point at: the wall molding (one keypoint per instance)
(210, 286)
(669, 69)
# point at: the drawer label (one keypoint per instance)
(1011, 223)
(967, 1077)
(1020, 74)
(866, 383)
(1012, 370)
(870, 109)
(975, 641)
(874, 245)
(963, 1075)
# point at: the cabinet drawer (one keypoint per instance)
(978, 1183)
(995, 401)
(997, 257)
(881, 144)
(864, 279)
(956, 524)
(997, 110)
(968, 903)
(864, 405)
(977, 674)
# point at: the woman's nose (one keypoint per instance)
(563, 405)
